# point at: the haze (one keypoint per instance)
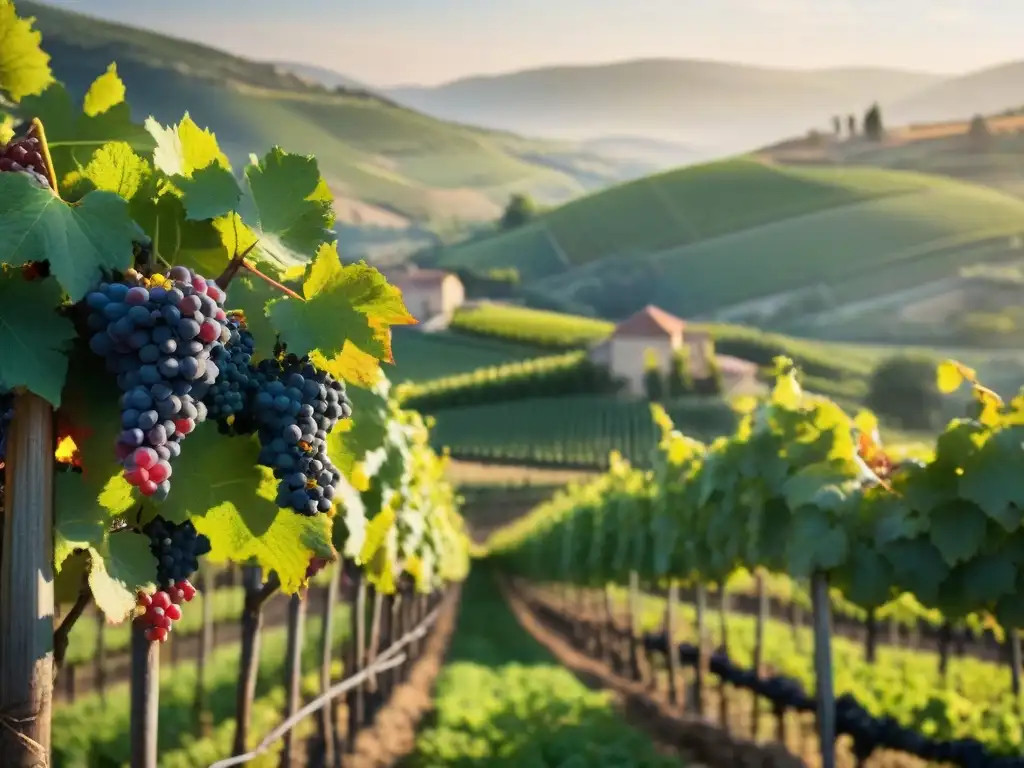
(432, 41)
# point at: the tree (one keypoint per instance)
(837, 125)
(654, 377)
(873, 127)
(979, 135)
(680, 382)
(520, 209)
(711, 383)
(903, 388)
(851, 125)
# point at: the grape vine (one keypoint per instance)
(155, 292)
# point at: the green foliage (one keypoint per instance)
(519, 211)
(426, 356)
(502, 700)
(556, 376)
(530, 326)
(119, 185)
(873, 127)
(902, 388)
(680, 382)
(578, 431)
(654, 378)
(795, 491)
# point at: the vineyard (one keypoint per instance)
(195, 378)
(578, 431)
(803, 491)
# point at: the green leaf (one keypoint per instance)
(6, 127)
(957, 531)
(251, 295)
(990, 578)
(350, 306)
(364, 431)
(24, 66)
(287, 200)
(992, 478)
(119, 569)
(79, 241)
(869, 579)
(33, 337)
(193, 244)
(105, 93)
(815, 544)
(231, 499)
(185, 148)
(74, 136)
(210, 192)
(918, 567)
(86, 504)
(114, 168)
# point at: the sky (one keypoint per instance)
(391, 42)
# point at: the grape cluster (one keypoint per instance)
(158, 335)
(227, 396)
(25, 156)
(177, 549)
(295, 406)
(158, 612)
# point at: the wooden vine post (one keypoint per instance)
(327, 722)
(26, 587)
(205, 651)
(145, 698)
(248, 667)
(723, 628)
(671, 646)
(824, 693)
(357, 656)
(293, 668)
(634, 626)
(700, 599)
(870, 637)
(759, 642)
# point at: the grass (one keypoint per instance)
(503, 700)
(92, 732)
(530, 326)
(577, 431)
(425, 356)
(368, 148)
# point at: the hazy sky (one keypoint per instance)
(386, 42)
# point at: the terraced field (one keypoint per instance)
(424, 356)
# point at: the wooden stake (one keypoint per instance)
(145, 699)
(26, 587)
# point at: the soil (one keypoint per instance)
(393, 733)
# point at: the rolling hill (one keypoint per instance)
(731, 107)
(383, 156)
(986, 91)
(702, 240)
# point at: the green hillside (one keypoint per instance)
(425, 356)
(371, 150)
(700, 239)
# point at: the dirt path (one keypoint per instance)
(696, 743)
(393, 733)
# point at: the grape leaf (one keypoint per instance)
(377, 531)
(231, 499)
(918, 567)
(364, 431)
(989, 578)
(815, 544)
(24, 66)
(287, 200)
(209, 192)
(185, 148)
(74, 136)
(869, 577)
(35, 339)
(992, 478)
(957, 531)
(949, 377)
(105, 93)
(85, 504)
(6, 127)
(351, 305)
(193, 244)
(114, 168)
(251, 295)
(79, 241)
(349, 532)
(119, 568)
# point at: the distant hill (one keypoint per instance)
(704, 102)
(322, 75)
(987, 91)
(384, 162)
(741, 238)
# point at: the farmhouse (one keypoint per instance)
(428, 292)
(655, 332)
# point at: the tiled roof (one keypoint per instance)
(650, 322)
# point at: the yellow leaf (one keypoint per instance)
(949, 376)
(106, 91)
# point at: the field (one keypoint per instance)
(577, 431)
(690, 233)
(370, 150)
(530, 326)
(424, 356)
